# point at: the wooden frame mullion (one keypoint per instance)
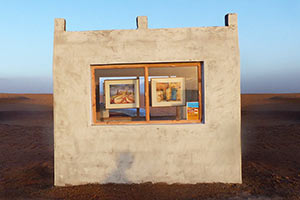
(122, 66)
(147, 96)
(93, 90)
(200, 90)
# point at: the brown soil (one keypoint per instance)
(270, 143)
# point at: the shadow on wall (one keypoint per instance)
(124, 162)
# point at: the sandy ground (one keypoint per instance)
(270, 144)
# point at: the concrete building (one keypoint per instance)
(208, 150)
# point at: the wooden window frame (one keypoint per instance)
(146, 66)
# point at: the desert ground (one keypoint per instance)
(270, 155)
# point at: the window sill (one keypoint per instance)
(149, 122)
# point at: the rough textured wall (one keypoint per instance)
(174, 153)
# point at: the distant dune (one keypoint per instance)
(26, 109)
(41, 99)
(255, 99)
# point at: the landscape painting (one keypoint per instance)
(167, 92)
(121, 94)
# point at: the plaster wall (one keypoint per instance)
(171, 153)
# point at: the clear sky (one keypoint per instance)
(269, 35)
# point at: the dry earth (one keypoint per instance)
(270, 143)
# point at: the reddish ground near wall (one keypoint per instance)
(270, 141)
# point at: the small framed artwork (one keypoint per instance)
(121, 93)
(192, 110)
(167, 92)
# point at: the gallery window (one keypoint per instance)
(147, 93)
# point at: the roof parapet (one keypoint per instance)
(231, 20)
(59, 25)
(142, 22)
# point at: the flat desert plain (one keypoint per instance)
(270, 155)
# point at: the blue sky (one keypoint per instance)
(269, 32)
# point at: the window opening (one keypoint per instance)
(147, 93)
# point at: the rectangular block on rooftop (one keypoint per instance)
(231, 19)
(142, 22)
(59, 25)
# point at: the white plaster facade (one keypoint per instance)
(171, 153)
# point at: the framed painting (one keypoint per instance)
(121, 93)
(192, 110)
(167, 92)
